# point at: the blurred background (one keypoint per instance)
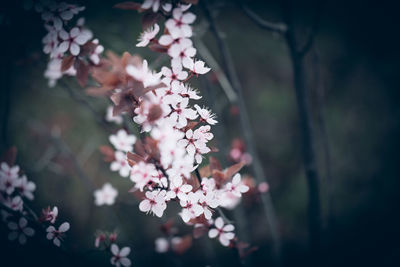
(352, 76)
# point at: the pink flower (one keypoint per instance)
(224, 232)
(181, 113)
(178, 24)
(175, 75)
(143, 74)
(206, 115)
(123, 141)
(154, 202)
(154, 4)
(120, 256)
(8, 178)
(178, 188)
(236, 187)
(25, 187)
(142, 174)
(190, 207)
(148, 35)
(121, 164)
(49, 215)
(73, 40)
(197, 67)
(106, 195)
(20, 230)
(182, 51)
(57, 235)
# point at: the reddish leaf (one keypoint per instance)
(166, 227)
(205, 171)
(199, 231)
(108, 153)
(128, 6)
(67, 62)
(10, 156)
(182, 246)
(149, 19)
(219, 177)
(82, 72)
(133, 158)
(214, 164)
(229, 172)
(155, 47)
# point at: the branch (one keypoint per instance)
(280, 28)
(247, 130)
(305, 121)
(313, 31)
(80, 99)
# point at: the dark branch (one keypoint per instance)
(280, 28)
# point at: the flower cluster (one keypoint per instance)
(162, 164)
(107, 241)
(14, 190)
(66, 43)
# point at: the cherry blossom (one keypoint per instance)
(148, 35)
(123, 141)
(178, 188)
(73, 40)
(142, 174)
(20, 231)
(197, 67)
(120, 164)
(120, 256)
(25, 187)
(8, 178)
(57, 235)
(49, 215)
(154, 202)
(16, 203)
(207, 201)
(181, 52)
(178, 24)
(190, 207)
(236, 187)
(224, 232)
(206, 115)
(175, 75)
(153, 4)
(95, 54)
(182, 113)
(106, 195)
(143, 74)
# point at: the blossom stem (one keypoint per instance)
(247, 131)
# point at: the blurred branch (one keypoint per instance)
(319, 87)
(80, 99)
(314, 29)
(280, 28)
(302, 97)
(246, 129)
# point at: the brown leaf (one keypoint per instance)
(199, 231)
(219, 177)
(88, 48)
(10, 156)
(214, 164)
(82, 72)
(205, 171)
(108, 153)
(129, 5)
(229, 172)
(156, 47)
(149, 19)
(194, 182)
(184, 244)
(133, 158)
(67, 62)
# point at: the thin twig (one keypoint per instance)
(247, 132)
(80, 99)
(280, 28)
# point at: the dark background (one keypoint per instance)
(355, 57)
